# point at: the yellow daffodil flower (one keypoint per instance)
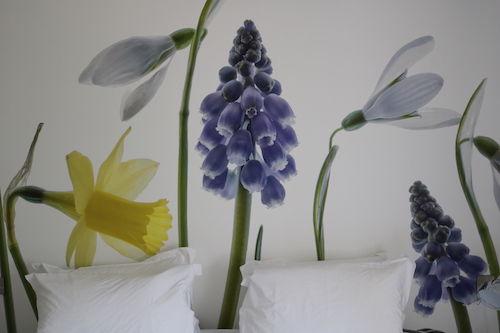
(133, 229)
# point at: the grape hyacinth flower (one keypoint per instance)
(445, 262)
(247, 125)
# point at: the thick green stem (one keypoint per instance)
(461, 315)
(182, 185)
(239, 246)
(8, 298)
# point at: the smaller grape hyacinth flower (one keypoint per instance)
(445, 262)
(399, 100)
(132, 59)
(491, 150)
(247, 125)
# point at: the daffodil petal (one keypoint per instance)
(131, 178)
(405, 97)
(74, 238)
(134, 101)
(82, 177)
(465, 133)
(127, 60)
(85, 249)
(111, 164)
(403, 59)
(426, 118)
(124, 248)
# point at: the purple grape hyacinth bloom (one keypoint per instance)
(443, 258)
(247, 134)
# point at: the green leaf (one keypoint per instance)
(319, 201)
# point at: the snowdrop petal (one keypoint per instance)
(127, 61)
(134, 101)
(405, 97)
(496, 183)
(426, 118)
(466, 128)
(403, 59)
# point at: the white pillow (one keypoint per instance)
(141, 297)
(325, 296)
(164, 260)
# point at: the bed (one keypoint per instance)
(280, 296)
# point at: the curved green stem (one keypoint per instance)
(320, 194)
(239, 245)
(482, 227)
(8, 298)
(461, 315)
(468, 119)
(183, 125)
(14, 249)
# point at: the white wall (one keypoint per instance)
(328, 56)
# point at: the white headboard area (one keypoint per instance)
(328, 57)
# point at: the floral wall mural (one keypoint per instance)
(349, 194)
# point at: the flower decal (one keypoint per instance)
(490, 149)
(105, 206)
(443, 257)
(132, 59)
(247, 125)
(399, 100)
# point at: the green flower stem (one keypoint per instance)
(183, 126)
(239, 245)
(8, 298)
(482, 227)
(320, 198)
(15, 252)
(461, 315)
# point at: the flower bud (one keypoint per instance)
(486, 146)
(354, 121)
(182, 37)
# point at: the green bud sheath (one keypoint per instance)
(486, 146)
(354, 120)
(182, 38)
(32, 194)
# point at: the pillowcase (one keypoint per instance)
(325, 296)
(151, 296)
(162, 260)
